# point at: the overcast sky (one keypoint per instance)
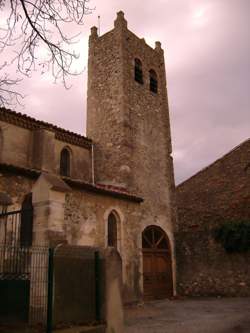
(207, 54)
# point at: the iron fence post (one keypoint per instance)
(50, 291)
(97, 287)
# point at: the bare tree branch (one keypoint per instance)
(9, 96)
(34, 25)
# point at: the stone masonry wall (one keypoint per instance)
(217, 194)
(148, 132)
(129, 124)
(39, 149)
(16, 186)
(16, 144)
(86, 217)
(105, 113)
(222, 188)
(85, 223)
(80, 158)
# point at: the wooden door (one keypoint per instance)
(157, 268)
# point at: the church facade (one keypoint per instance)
(114, 187)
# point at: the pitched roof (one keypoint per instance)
(76, 183)
(57, 184)
(22, 120)
(235, 149)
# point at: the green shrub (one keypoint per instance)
(234, 236)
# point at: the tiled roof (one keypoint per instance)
(112, 187)
(22, 120)
(103, 189)
(76, 183)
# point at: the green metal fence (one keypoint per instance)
(23, 284)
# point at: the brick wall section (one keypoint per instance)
(218, 193)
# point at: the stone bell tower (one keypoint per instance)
(128, 120)
(127, 111)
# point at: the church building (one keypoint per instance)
(114, 187)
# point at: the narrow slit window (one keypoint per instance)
(138, 71)
(112, 230)
(153, 81)
(65, 163)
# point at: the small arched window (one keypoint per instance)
(138, 71)
(112, 230)
(153, 81)
(65, 163)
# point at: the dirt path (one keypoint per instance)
(212, 315)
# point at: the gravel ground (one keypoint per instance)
(210, 315)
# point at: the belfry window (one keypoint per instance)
(112, 230)
(153, 81)
(138, 71)
(65, 163)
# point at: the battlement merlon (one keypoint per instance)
(93, 32)
(120, 23)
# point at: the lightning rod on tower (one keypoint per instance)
(99, 25)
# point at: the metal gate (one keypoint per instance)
(23, 270)
(23, 284)
(16, 228)
(37, 283)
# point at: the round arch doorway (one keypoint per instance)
(157, 264)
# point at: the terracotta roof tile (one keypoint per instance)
(103, 189)
(112, 188)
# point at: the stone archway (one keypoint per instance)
(157, 264)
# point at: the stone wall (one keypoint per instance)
(16, 144)
(80, 158)
(86, 217)
(83, 222)
(129, 124)
(75, 301)
(17, 186)
(222, 188)
(39, 148)
(217, 194)
(104, 114)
